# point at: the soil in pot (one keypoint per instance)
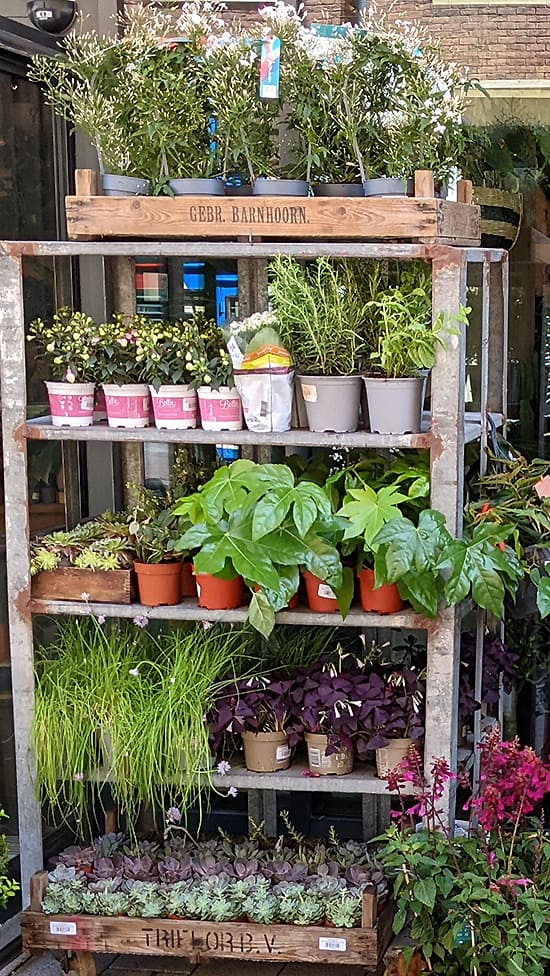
(159, 584)
(337, 764)
(320, 597)
(383, 599)
(395, 405)
(71, 404)
(219, 594)
(391, 755)
(331, 402)
(266, 752)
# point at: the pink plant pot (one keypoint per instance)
(174, 407)
(71, 404)
(127, 404)
(220, 409)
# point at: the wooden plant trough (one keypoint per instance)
(68, 583)
(422, 218)
(84, 935)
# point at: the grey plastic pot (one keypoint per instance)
(331, 402)
(199, 187)
(124, 186)
(338, 190)
(385, 187)
(280, 188)
(395, 405)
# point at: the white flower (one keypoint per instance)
(173, 816)
(78, 777)
(223, 767)
(232, 791)
(134, 672)
(84, 596)
(140, 620)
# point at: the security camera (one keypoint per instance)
(52, 16)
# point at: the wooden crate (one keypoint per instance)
(88, 934)
(68, 583)
(422, 218)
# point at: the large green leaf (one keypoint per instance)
(488, 591)
(260, 614)
(368, 511)
(270, 511)
(422, 591)
(408, 547)
(424, 890)
(543, 596)
(345, 593)
(323, 560)
(304, 513)
(284, 547)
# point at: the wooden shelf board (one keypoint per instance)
(189, 610)
(42, 429)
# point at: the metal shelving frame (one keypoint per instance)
(445, 439)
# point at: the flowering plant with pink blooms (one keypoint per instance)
(478, 903)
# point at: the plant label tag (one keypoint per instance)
(282, 753)
(542, 487)
(234, 352)
(62, 928)
(270, 69)
(333, 945)
(314, 757)
(325, 591)
(309, 393)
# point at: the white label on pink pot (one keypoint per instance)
(175, 408)
(132, 406)
(225, 410)
(325, 591)
(71, 404)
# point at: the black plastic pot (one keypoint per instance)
(338, 190)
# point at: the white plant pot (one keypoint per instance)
(220, 409)
(127, 404)
(71, 404)
(174, 406)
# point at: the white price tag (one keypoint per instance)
(314, 757)
(62, 928)
(282, 753)
(234, 352)
(324, 590)
(309, 393)
(333, 945)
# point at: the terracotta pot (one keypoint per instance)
(392, 754)
(383, 599)
(320, 597)
(188, 584)
(159, 584)
(265, 752)
(338, 764)
(219, 594)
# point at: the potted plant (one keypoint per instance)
(256, 709)
(66, 345)
(392, 716)
(407, 341)
(276, 527)
(321, 324)
(165, 350)
(211, 372)
(474, 902)
(114, 359)
(262, 370)
(158, 572)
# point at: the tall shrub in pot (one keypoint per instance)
(321, 323)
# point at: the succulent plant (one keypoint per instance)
(63, 874)
(75, 856)
(90, 905)
(174, 869)
(343, 910)
(112, 903)
(327, 886)
(109, 844)
(139, 868)
(53, 899)
(145, 900)
(104, 867)
(261, 906)
(103, 885)
(176, 899)
(64, 898)
(309, 908)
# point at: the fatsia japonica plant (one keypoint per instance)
(257, 521)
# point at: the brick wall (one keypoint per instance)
(495, 42)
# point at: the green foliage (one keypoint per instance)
(66, 345)
(8, 887)
(101, 544)
(321, 321)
